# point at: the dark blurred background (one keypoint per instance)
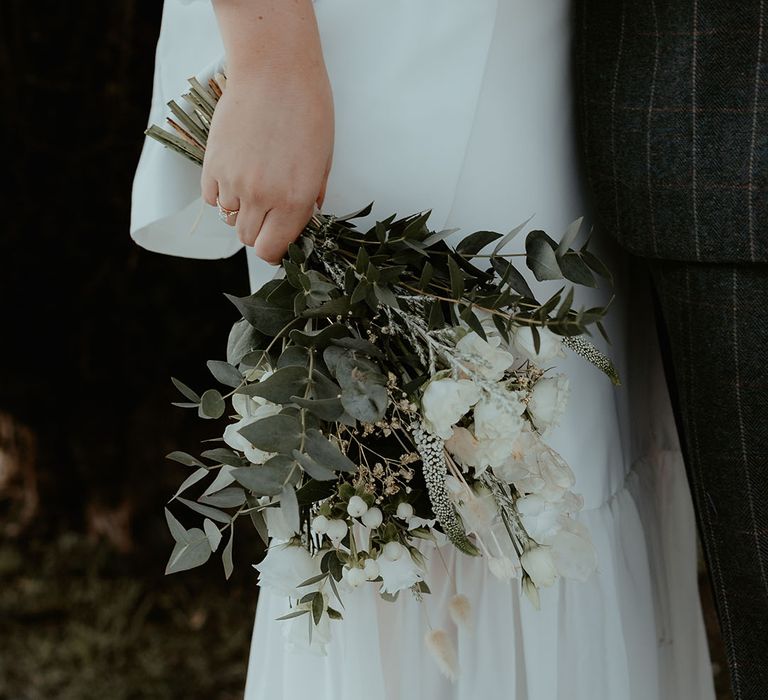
(92, 327)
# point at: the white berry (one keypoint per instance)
(371, 569)
(354, 577)
(393, 550)
(405, 511)
(320, 524)
(356, 506)
(372, 518)
(337, 530)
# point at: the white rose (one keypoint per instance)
(285, 567)
(549, 349)
(296, 632)
(398, 574)
(538, 564)
(393, 551)
(548, 400)
(485, 358)
(499, 415)
(445, 401)
(471, 452)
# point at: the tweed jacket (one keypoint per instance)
(672, 107)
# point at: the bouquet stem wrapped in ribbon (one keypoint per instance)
(389, 393)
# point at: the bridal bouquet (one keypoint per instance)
(387, 393)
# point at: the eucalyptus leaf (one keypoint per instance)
(475, 242)
(281, 385)
(569, 236)
(267, 479)
(265, 316)
(178, 531)
(229, 497)
(225, 373)
(325, 452)
(208, 511)
(212, 404)
(213, 533)
(223, 479)
(190, 554)
(191, 480)
(226, 554)
(280, 433)
(540, 256)
(311, 467)
(223, 455)
(184, 458)
(185, 390)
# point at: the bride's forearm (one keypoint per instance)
(263, 35)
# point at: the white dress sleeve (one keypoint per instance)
(167, 212)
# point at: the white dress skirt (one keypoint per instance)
(464, 107)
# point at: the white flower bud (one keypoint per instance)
(320, 524)
(405, 511)
(371, 569)
(354, 576)
(372, 517)
(337, 530)
(393, 551)
(503, 568)
(356, 506)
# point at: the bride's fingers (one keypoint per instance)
(279, 230)
(209, 188)
(249, 223)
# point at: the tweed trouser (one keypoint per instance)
(716, 320)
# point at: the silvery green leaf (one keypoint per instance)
(438, 236)
(243, 339)
(226, 555)
(356, 214)
(257, 518)
(264, 316)
(226, 373)
(293, 356)
(184, 389)
(365, 402)
(280, 433)
(324, 452)
(363, 346)
(541, 258)
(223, 479)
(212, 404)
(318, 608)
(289, 507)
(229, 497)
(320, 338)
(569, 237)
(325, 409)
(576, 270)
(184, 458)
(187, 555)
(311, 467)
(294, 613)
(511, 275)
(223, 455)
(475, 242)
(208, 511)
(268, 479)
(281, 385)
(509, 236)
(178, 531)
(212, 533)
(192, 479)
(457, 279)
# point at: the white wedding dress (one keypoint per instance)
(464, 107)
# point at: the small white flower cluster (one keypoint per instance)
(493, 409)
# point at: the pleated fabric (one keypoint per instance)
(465, 108)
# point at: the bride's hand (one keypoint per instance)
(270, 146)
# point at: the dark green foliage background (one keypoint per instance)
(91, 328)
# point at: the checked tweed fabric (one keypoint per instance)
(719, 314)
(672, 102)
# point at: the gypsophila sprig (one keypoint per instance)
(388, 394)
